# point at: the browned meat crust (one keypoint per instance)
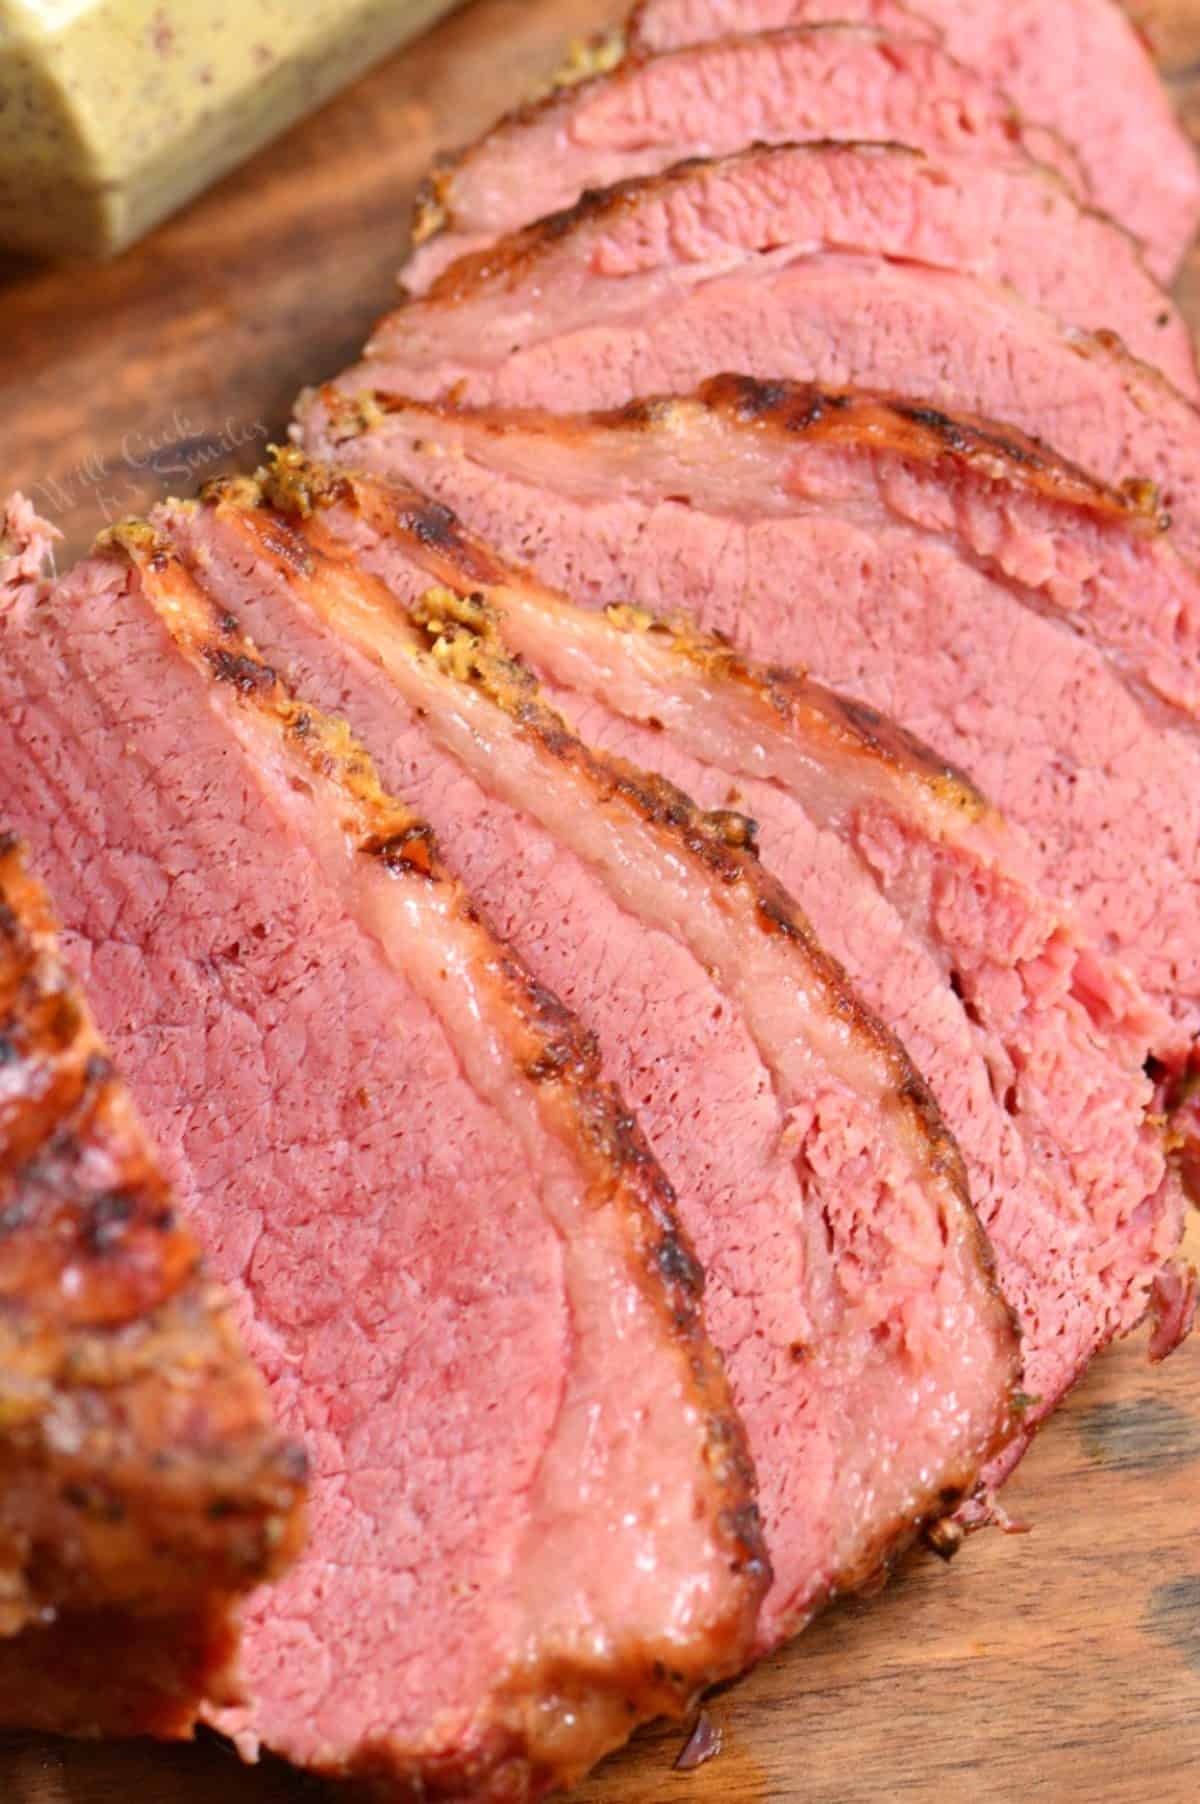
(457, 557)
(282, 509)
(550, 1724)
(140, 1471)
(921, 434)
(105, 1673)
(851, 417)
(468, 644)
(502, 262)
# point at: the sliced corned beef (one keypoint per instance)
(832, 81)
(143, 1486)
(1078, 66)
(877, 560)
(1034, 1046)
(835, 264)
(455, 1260)
(866, 1348)
(1101, 559)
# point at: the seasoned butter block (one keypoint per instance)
(113, 113)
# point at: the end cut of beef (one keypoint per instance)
(1077, 66)
(143, 1486)
(1034, 1045)
(867, 1349)
(835, 81)
(532, 1520)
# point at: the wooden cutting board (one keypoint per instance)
(1057, 1667)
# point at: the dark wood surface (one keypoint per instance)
(1057, 1667)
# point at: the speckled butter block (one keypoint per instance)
(113, 113)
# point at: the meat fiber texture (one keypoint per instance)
(905, 558)
(531, 1520)
(1033, 1044)
(836, 264)
(1079, 67)
(1099, 559)
(846, 1284)
(826, 82)
(941, 340)
(143, 1485)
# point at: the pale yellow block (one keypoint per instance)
(113, 113)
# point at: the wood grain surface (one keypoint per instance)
(1060, 1666)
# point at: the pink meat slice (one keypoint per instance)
(1101, 560)
(653, 289)
(877, 558)
(744, 231)
(866, 1347)
(454, 1259)
(1079, 67)
(1034, 1046)
(824, 82)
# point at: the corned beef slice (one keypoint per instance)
(1034, 1047)
(1100, 559)
(1078, 66)
(455, 1260)
(835, 264)
(937, 337)
(867, 1349)
(754, 508)
(831, 81)
(141, 1476)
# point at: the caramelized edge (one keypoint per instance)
(526, 1732)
